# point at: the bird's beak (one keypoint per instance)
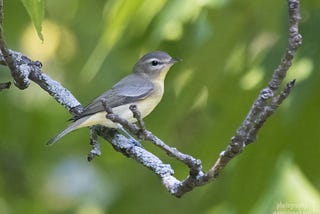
(174, 60)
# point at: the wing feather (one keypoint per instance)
(128, 90)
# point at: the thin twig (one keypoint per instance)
(136, 114)
(5, 85)
(149, 136)
(95, 151)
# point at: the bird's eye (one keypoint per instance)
(154, 62)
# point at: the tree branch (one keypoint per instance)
(269, 99)
(5, 85)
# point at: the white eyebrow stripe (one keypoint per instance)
(152, 59)
(156, 59)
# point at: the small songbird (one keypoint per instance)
(144, 87)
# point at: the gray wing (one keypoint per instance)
(128, 90)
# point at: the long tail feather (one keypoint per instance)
(73, 126)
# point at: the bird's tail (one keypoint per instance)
(73, 126)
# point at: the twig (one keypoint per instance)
(136, 114)
(147, 135)
(5, 85)
(142, 156)
(143, 133)
(95, 151)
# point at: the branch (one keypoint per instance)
(269, 99)
(25, 67)
(142, 156)
(95, 151)
(5, 85)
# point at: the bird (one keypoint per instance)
(144, 87)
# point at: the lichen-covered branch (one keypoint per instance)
(31, 70)
(269, 99)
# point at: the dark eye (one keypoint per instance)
(154, 62)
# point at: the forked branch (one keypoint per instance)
(269, 99)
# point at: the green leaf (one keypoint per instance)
(290, 191)
(35, 9)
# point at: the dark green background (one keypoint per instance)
(229, 50)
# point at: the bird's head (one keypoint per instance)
(155, 64)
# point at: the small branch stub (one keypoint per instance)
(5, 85)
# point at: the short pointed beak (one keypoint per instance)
(175, 60)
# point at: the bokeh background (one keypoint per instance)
(229, 50)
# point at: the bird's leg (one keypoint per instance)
(132, 139)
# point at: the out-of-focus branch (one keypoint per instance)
(5, 85)
(24, 69)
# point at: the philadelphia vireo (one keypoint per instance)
(144, 87)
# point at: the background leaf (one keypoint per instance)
(35, 10)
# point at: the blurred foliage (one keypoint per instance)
(35, 9)
(229, 50)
